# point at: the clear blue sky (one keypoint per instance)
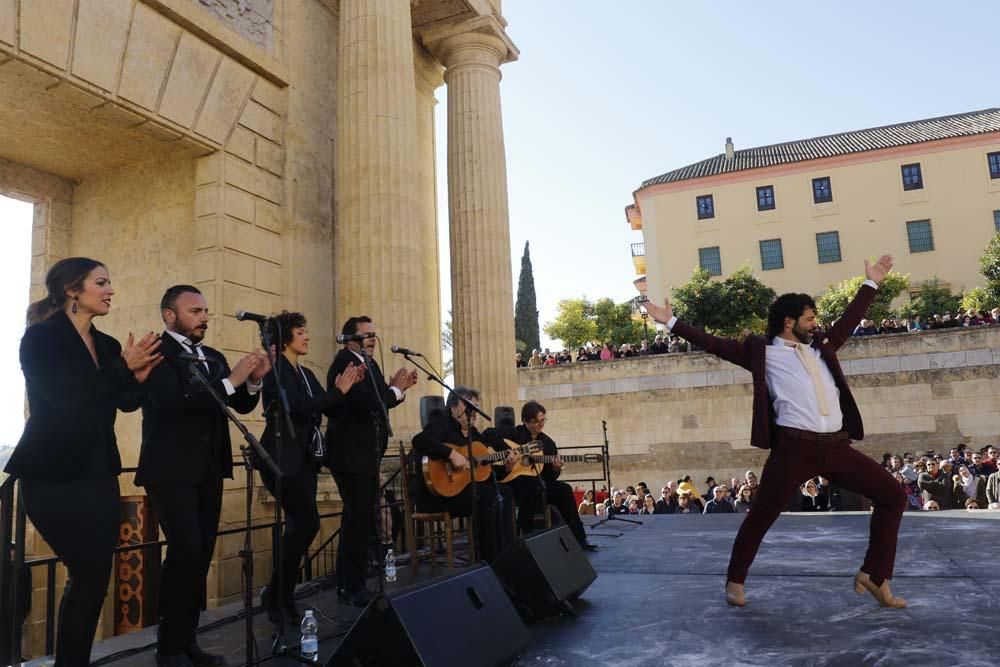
(607, 94)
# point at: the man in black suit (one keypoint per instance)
(186, 452)
(356, 439)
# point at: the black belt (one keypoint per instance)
(812, 435)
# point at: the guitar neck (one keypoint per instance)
(570, 458)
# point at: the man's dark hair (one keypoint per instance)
(351, 325)
(787, 305)
(282, 324)
(467, 393)
(531, 410)
(169, 300)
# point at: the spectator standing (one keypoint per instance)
(934, 486)
(536, 360)
(719, 504)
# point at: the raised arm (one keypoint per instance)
(874, 273)
(733, 351)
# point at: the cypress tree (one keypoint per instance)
(526, 310)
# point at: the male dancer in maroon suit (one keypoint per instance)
(804, 413)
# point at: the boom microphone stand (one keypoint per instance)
(246, 554)
(610, 517)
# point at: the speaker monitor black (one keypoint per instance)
(503, 417)
(429, 407)
(544, 570)
(465, 619)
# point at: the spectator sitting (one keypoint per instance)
(633, 505)
(684, 504)
(535, 361)
(931, 506)
(811, 500)
(601, 509)
(971, 504)
(935, 486)
(974, 486)
(587, 505)
(743, 499)
(648, 505)
(667, 503)
(641, 490)
(719, 504)
(607, 353)
(618, 505)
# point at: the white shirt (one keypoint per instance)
(191, 348)
(396, 390)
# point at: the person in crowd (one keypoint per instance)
(907, 470)
(734, 488)
(719, 504)
(492, 503)
(988, 463)
(931, 506)
(811, 499)
(687, 486)
(550, 360)
(684, 505)
(744, 498)
(641, 490)
(648, 505)
(993, 491)
(975, 464)
(519, 361)
(629, 492)
(587, 505)
(808, 423)
(633, 505)
(971, 504)
(659, 346)
(710, 489)
(356, 439)
(973, 486)
(935, 486)
(956, 457)
(750, 479)
(918, 324)
(887, 461)
(600, 510)
(667, 503)
(298, 457)
(913, 499)
(607, 353)
(677, 345)
(76, 379)
(618, 505)
(535, 360)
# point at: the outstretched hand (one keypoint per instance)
(661, 314)
(879, 270)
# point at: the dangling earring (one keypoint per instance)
(73, 309)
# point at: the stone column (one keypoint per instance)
(377, 252)
(481, 284)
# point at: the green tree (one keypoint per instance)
(934, 297)
(977, 298)
(989, 265)
(526, 309)
(574, 324)
(614, 324)
(832, 304)
(724, 307)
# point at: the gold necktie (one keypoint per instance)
(804, 353)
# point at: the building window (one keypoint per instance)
(912, 180)
(709, 260)
(765, 198)
(994, 160)
(706, 207)
(920, 236)
(828, 247)
(996, 220)
(822, 192)
(770, 255)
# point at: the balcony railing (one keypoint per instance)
(638, 249)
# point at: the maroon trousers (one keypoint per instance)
(795, 457)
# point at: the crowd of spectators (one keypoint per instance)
(965, 478)
(662, 344)
(970, 318)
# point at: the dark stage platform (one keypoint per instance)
(658, 599)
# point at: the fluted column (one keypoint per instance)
(481, 285)
(378, 263)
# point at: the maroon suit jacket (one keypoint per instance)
(751, 352)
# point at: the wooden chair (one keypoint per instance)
(436, 525)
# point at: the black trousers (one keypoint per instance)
(494, 513)
(298, 501)
(189, 516)
(558, 494)
(79, 520)
(357, 528)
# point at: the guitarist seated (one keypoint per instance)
(494, 503)
(527, 489)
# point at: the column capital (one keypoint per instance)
(482, 40)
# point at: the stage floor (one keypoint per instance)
(658, 599)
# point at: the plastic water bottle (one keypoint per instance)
(309, 644)
(390, 566)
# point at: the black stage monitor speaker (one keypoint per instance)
(503, 417)
(429, 407)
(466, 619)
(544, 571)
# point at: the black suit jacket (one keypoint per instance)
(306, 412)
(72, 403)
(356, 437)
(185, 435)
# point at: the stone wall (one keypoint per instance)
(673, 415)
(254, 19)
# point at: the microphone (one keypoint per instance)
(354, 338)
(403, 351)
(242, 315)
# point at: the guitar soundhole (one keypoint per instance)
(477, 601)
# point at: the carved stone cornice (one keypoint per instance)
(488, 32)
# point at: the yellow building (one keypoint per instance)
(807, 213)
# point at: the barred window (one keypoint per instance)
(771, 256)
(822, 191)
(710, 260)
(920, 235)
(828, 247)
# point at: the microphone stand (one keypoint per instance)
(384, 414)
(610, 517)
(246, 554)
(470, 407)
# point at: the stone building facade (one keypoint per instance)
(278, 154)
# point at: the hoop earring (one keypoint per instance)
(73, 309)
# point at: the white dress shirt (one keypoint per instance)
(191, 348)
(396, 390)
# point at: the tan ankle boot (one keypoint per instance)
(882, 594)
(735, 594)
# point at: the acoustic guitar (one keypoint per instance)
(531, 460)
(443, 480)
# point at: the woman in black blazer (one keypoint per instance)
(76, 379)
(298, 458)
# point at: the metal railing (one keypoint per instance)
(638, 249)
(13, 524)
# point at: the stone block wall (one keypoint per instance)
(673, 415)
